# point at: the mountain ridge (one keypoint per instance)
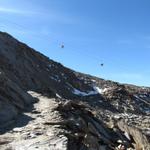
(26, 73)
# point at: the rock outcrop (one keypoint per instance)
(23, 69)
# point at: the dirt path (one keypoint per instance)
(31, 134)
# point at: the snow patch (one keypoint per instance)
(98, 90)
(95, 91)
(57, 95)
(106, 89)
(93, 80)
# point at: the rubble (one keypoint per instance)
(90, 133)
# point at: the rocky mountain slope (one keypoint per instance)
(44, 105)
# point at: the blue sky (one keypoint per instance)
(113, 32)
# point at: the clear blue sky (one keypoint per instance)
(113, 32)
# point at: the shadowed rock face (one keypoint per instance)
(22, 69)
(34, 71)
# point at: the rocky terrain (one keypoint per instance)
(46, 106)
